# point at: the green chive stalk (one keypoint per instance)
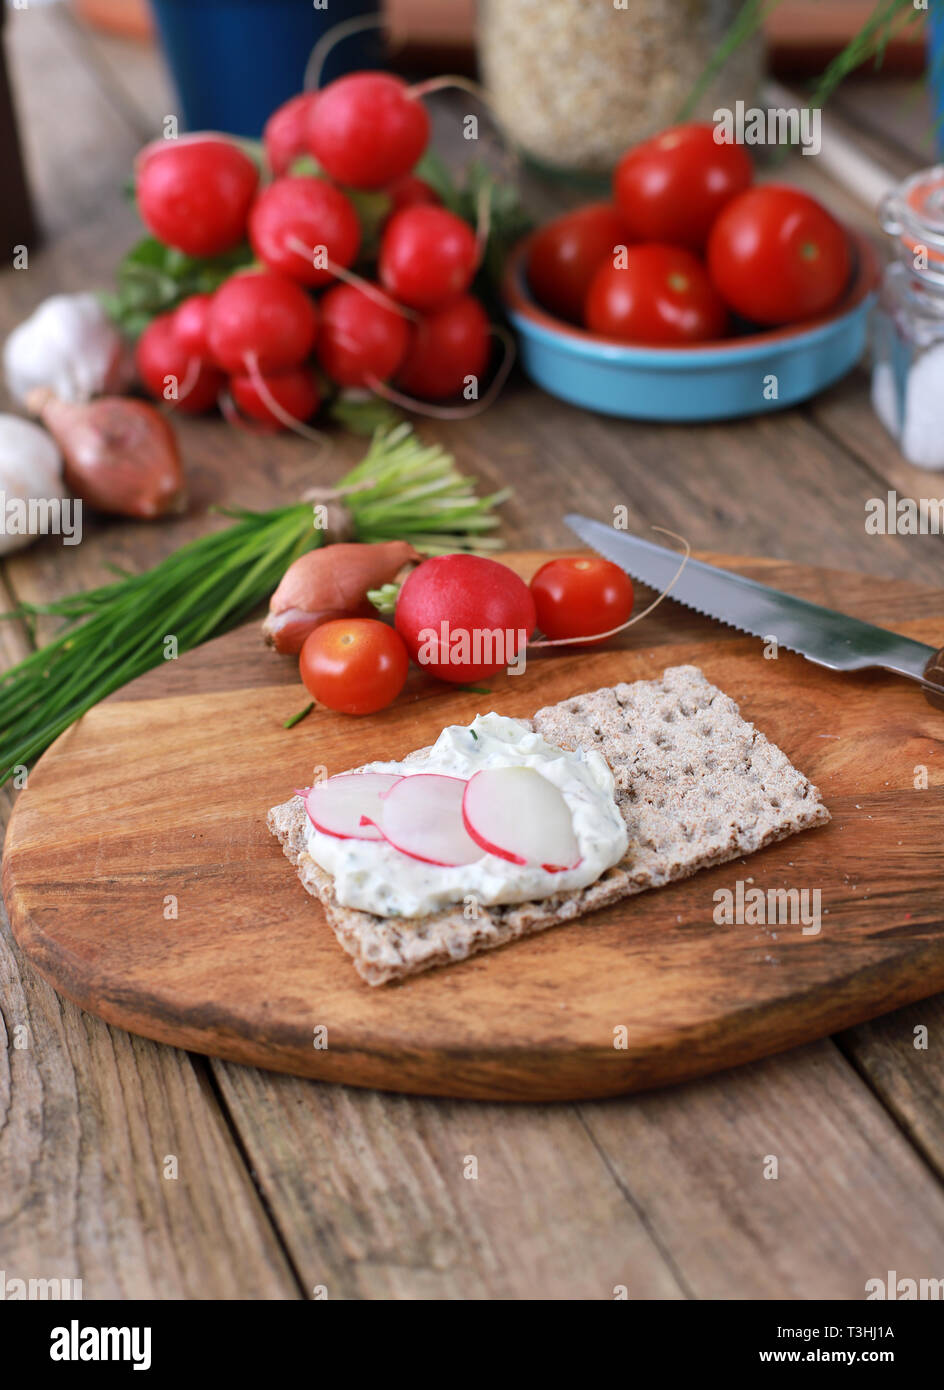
(401, 490)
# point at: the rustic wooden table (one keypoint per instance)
(286, 1185)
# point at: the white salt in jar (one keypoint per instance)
(908, 329)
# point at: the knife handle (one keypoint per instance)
(934, 671)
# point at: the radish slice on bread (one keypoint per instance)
(519, 815)
(422, 817)
(350, 806)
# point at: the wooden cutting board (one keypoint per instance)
(140, 878)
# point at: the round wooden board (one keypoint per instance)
(141, 879)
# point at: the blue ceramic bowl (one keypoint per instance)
(746, 375)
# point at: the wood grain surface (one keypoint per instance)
(158, 798)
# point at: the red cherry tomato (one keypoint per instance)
(295, 390)
(662, 296)
(194, 194)
(361, 341)
(263, 314)
(190, 324)
(777, 256)
(411, 192)
(566, 253)
(428, 256)
(577, 596)
(354, 665)
(456, 611)
(367, 129)
(298, 223)
(285, 133)
(672, 187)
(170, 373)
(446, 348)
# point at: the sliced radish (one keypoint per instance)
(350, 805)
(422, 817)
(519, 815)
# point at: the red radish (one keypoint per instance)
(285, 133)
(194, 194)
(410, 192)
(519, 815)
(463, 617)
(190, 324)
(297, 224)
(295, 390)
(120, 455)
(350, 806)
(422, 817)
(170, 373)
(428, 256)
(331, 582)
(361, 341)
(446, 348)
(367, 129)
(263, 314)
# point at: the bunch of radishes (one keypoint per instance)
(266, 340)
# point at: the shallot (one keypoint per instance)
(330, 583)
(120, 455)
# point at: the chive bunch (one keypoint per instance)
(401, 490)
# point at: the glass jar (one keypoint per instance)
(574, 83)
(908, 327)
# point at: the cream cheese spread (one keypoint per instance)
(373, 876)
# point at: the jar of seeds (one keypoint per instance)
(575, 82)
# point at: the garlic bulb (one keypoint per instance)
(69, 345)
(31, 488)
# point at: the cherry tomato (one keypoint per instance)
(295, 218)
(566, 253)
(294, 390)
(354, 665)
(194, 194)
(366, 129)
(579, 595)
(672, 187)
(445, 349)
(361, 341)
(169, 372)
(777, 256)
(285, 133)
(661, 296)
(428, 256)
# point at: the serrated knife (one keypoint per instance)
(822, 635)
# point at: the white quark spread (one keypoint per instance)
(373, 876)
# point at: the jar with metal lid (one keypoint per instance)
(574, 83)
(908, 328)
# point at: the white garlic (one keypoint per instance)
(30, 478)
(68, 344)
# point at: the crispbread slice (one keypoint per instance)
(696, 784)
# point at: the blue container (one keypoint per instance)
(234, 61)
(716, 381)
(936, 66)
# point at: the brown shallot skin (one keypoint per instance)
(328, 583)
(120, 455)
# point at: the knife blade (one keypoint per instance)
(821, 635)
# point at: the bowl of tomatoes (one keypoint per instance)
(693, 294)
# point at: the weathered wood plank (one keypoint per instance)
(851, 1200)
